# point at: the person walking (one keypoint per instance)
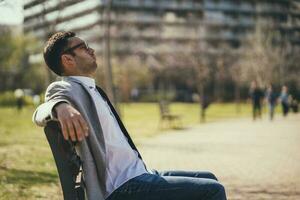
(256, 96)
(113, 168)
(271, 99)
(284, 99)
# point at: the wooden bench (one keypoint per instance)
(173, 121)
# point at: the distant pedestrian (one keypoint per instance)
(134, 93)
(204, 105)
(19, 94)
(36, 100)
(271, 99)
(256, 96)
(284, 99)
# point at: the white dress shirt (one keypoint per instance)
(122, 162)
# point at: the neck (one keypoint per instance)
(90, 75)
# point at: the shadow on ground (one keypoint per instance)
(27, 178)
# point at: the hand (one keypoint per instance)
(72, 123)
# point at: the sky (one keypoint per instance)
(11, 12)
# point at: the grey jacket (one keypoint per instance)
(92, 149)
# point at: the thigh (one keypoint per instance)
(192, 174)
(155, 187)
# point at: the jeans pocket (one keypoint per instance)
(135, 185)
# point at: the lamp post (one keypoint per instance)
(107, 56)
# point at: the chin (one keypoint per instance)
(95, 65)
(94, 68)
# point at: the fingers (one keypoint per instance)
(64, 130)
(71, 130)
(79, 131)
(75, 130)
(84, 126)
(73, 125)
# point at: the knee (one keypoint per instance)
(213, 190)
(211, 176)
(218, 191)
(220, 188)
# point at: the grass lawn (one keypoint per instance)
(143, 119)
(27, 169)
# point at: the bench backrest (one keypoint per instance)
(61, 150)
(164, 107)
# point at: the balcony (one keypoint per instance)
(157, 5)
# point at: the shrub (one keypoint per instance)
(8, 99)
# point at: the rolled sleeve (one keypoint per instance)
(44, 113)
(57, 92)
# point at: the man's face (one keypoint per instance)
(82, 58)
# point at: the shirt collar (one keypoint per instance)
(90, 82)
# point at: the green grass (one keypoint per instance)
(26, 163)
(27, 169)
(143, 119)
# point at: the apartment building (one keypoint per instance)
(150, 25)
(154, 28)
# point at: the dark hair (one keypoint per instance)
(53, 49)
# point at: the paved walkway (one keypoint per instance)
(255, 160)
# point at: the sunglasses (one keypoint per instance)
(82, 44)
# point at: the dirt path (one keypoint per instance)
(254, 160)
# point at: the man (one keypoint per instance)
(271, 99)
(284, 98)
(256, 96)
(113, 168)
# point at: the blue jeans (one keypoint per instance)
(171, 185)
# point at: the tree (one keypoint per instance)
(262, 58)
(131, 73)
(16, 71)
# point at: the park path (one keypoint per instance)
(255, 160)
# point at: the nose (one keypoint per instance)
(92, 50)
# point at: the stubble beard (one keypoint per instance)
(92, 67)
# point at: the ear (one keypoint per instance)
(67, 60)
